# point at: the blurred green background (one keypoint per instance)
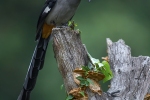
(98, 20)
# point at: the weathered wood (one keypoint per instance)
(131, 74)
(69, 53)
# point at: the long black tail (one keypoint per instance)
(36, 64)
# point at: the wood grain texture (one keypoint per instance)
(69, 53)
(131, 74)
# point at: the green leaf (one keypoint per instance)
(95, 62)
(61, 87)
(79, 31)
(90, 81)
(85, 68)
(97, 67)
(106, 71)
(80, 78)
(82, 93)
(100, 64)
(75, 25)
(69, 23)
(69, 97)
(83, 83)
(87, 83)
(103, 68)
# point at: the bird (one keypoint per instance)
(54, 13)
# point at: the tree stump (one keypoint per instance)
(131, 74)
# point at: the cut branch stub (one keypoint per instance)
(69, 53)
(131, 74)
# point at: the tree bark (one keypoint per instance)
(69, 53)
(131, 74)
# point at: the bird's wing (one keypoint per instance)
(49, 4)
